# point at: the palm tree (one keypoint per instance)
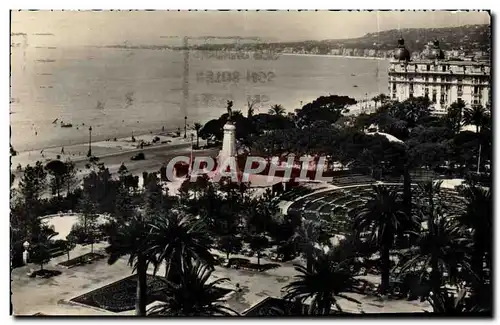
(475, 115)
(447, 303)
(306, 236)
(442, 249)
(41, 250)
(197, 128)
(328, 280)
(478, 216)
(178, 240)
(454, 116)
(131, 239)
(382, 98)
(251, 102)
(277, 109)
(382, 217)
(192, 295)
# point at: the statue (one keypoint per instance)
(229, 110)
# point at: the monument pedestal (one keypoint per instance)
(227, 156)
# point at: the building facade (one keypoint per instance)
(442, 81)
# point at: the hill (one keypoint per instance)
(466, 38)
(450, 38)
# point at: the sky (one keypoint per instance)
(76, 28)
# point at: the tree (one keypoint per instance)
(41, 251)
(478, 215)
(212, 129)
(277, 109)
(229, 244)
(380, 98)
(476, 115)
(89, 219)
(305, 238)
(251, 102)
(382, 216)
(56, 169)
(178, 240)
(454, 116)
(192, 295)
(412, 111)
(258, 243)
(328, 108)
(442, 248)
(328, 280)
(31, 187)
(197, 128)
(447, 303)
(131, 239)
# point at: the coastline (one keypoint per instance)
(103, 149)
(336, 56)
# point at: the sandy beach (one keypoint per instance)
(114, 153)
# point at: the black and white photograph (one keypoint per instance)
(251, 163)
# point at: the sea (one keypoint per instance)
(124, 91)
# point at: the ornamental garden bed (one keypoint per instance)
(243, 263)
(82, 260)
(120, 296)
(278, 307)
(44, 274)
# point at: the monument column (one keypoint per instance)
(228, 141)
(228, 152)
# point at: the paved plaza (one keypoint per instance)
(52, 296)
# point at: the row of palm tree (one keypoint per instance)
(175, 240)
(453, 248)
(446, 246)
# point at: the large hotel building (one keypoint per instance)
(443, 81)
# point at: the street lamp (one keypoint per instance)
(191, 161)
(185, 126)
(26, 245)
(89, 154)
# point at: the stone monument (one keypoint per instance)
(229, 138)
(228, 152)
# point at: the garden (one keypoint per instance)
(120, 296)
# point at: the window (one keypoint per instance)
(411, 94)
(442, 99)
(428, 67)
(434, 79)
(393, 87)
(434, 97)
(476, 90)
(443, 68)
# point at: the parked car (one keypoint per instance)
(139, 156)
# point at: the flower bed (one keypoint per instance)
(243, 263)
(120, 296)
(82, 260)
(44, 274)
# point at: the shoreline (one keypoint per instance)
(337, 56)
(103, 149)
